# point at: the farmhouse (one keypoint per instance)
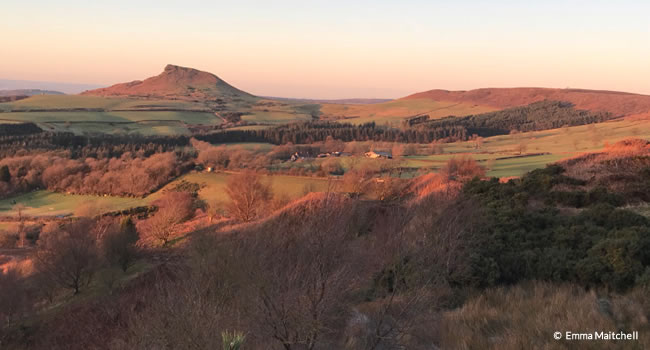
(379, 154)
(296, 157)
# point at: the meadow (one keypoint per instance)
(47, 203)
(69, 102)
(143, 122)
(394, 112)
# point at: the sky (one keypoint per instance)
(335, 48)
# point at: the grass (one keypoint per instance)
(46, 203)
(393, 112)
(94, 102)
(144, 122)
(559, 143)
(526, 316)
(292, 186)
(520, 166)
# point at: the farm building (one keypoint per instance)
(379, 154)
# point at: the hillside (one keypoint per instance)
(617, 103)
(28, 92)
(175, 82)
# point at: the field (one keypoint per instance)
(143, 122)
(46, 203)
(214, 184)
(92, 114)
(394, 112)
(68, 102)
(555, 144)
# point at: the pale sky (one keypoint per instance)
(335, 48)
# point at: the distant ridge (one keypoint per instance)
(66, 88)
(29, 92)
(344, 101)
(618, 103)
(174, 82)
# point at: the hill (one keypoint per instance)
(28, 92)
(617, 103)
(175, 82)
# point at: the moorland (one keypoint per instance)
(180, 212)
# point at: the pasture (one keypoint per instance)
(394, 112)
(71, 102)
(143, 122)
(214, 184)
(46, 203)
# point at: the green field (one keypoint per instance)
(66, 102)
(215, 184)
(143, 122)
(46, 203)
(91, 114)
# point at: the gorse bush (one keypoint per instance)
(526, 236)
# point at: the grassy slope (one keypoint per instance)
(560, 143)
(394, 111)
(94, 102)
(292, 186)
(46, 203)
(143, 122)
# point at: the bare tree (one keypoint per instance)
(173, 209)
(69, 255)
(302, 275)
(357, 181)
(14, 300)
(248, 196)
(462, 168)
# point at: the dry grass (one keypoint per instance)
(525, 317)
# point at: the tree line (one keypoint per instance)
(534, 117)
(19, 129)
(96, 146)
(310, 132)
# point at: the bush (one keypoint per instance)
(462, 168)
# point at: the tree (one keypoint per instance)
(14, 299)
(248, 196)
(68, 255)
(332, 166)
(5, 175)
(462, 168)
(173, 209)
(357, 181)
(119, 245)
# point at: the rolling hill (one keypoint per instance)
(28, 92)
(173, 101)
(617, 103)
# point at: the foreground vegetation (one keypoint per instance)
(445, 260)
